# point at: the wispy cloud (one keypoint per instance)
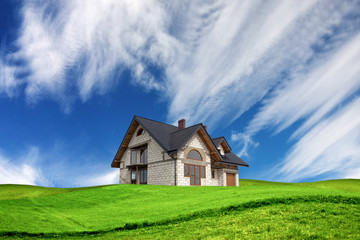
(109, 177)
(315, 93)
(245, 142)
(8, 80)
(34, 168)
(214, 60)
(19, 171)
(327, 140)
(332, 146)
(238, 51)
(85, 44)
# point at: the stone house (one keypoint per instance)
(161, 154)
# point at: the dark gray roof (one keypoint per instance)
(218, 140)
(171, 139)
(180, 137)
(232, 158)
(158, 130)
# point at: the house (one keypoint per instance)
(161, 154)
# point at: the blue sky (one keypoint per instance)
(279, 79)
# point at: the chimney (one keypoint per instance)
(181, 124)
(205, 128)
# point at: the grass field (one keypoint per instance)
(256, 209)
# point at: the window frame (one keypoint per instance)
(131, 157)
(131, 177)
(187, 156)
(201, 172)
(143, 176)
(144, 151)
(202, 169)
(140, 132)
(188, 170)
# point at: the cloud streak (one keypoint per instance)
(332, 146)
(316, 93)
(215, 59)
(324, 100)
(239, 51)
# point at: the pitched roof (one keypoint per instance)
(232, 158)
(180, 137)
(157, 130)
(218, 140)
(171, 139)
(222, 141)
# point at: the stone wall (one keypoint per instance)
(222, 176)
(194, 143)
(160, 164)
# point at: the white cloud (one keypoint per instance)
(237, 51)
(8, 81)
(316, 93)
(89, 42)
(245, 141)
(18, 171)
(331, 146)
(109, 177)
(218, 58)
(33, 168)
(327, 141)
(353, 173)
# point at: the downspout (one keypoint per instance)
(175, 171)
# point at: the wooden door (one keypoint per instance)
(195, 175)
(230, 179)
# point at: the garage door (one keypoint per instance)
(230, 179)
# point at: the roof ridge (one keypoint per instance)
(218, 137)
(155, 121)
(185, 128)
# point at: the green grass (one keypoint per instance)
(298, 220)
(286, 209)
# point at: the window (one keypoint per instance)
(202, 172)
(195, 173)
(133, 177)
(140, 132)
(133, 157)
(212, 173)
(194, 154)
(143, 155)
(186, 171)
(192, 175)
(143, 176)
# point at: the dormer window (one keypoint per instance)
(140, 132)
(221, 151)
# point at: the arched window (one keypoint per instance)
(140, 131)
(194, 154)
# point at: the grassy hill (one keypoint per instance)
(256, 209)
